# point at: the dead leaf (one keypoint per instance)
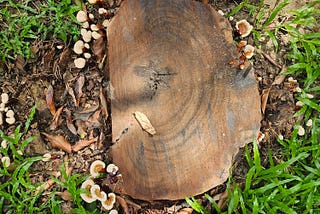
(94, 120)
(78, 88)
(280, 78)
(69, 121)
(55, 120)
(46, 185)
(65, 195)
(85, 114)
(103, 101)
(81, 128)
(71, 93)
(264, 99)
(185, 211)
(99, 48)
(83, 143)
(58, 141)
(50, 100)
(144, 122)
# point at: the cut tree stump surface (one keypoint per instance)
(169, 60)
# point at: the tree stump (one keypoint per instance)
(169, 59)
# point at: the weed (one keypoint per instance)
(23, 22)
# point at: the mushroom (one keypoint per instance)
(248, 51)
(244, 28)
(97, 167)
(202, 108)
(4, 144)
(97, 193)
(87, 55)
(87, 185)
(96, 35)
(102, 11)
(10, 113)
(4, 98)
(46, 157)
(112, 169)
(5, 161)
(79, 62)
(82, 16)
(86, 35)
(113, 212)
(94, 27)
(106, 23)
(10, 120)
(78, 47)
(109, 202)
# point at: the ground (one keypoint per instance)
(27, 82)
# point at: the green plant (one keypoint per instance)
(25, 21)
(16, 190)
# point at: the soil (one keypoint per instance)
(27, 82)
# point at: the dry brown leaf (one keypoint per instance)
(71, 93)
(264, 99)
(50, 101)
(46, 185)
(83, 143)
(280, 78)
(81, 128)
(58, 141)
(85, 114)
(56, 119)
(103, 101)
(94, 120)
(99, 48)
(185, 211)
(69, 121)
(78, 89)
(144, 122)
(65, 195)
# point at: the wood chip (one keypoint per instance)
(144, 122)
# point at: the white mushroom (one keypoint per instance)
(10, 113)
(86, 35)
(46, 157)
(113, 211)
(301, 131)
(93, 1)
(87, 185)
(78, 47)
(96, 35)
(109, 202)
(4, 144)
(112, 169)
(5, 161)
(87, 55)
(248, 51)
(244, 28)
(79, 62)
(2, 106)
(85, 25)
(10, 120)
(94, 27)
(82, 16)
(102, 10)
(4, 98)
(97, 167)
(97, 193)
(91, 16)
(309, 123)
(106, 23)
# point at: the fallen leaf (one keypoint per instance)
(65, 195)
(104, 106)
(78, 88)
(81, 128)
(144, 122)
(85, 114)
(58, 141)
(264, 99)
(94, 120)
(55, 120)
(69, 121)
(185, 211)
(99, 48)
(50, 100)
(46, 185)
(280, 78)
(71, 93)
(83, 143)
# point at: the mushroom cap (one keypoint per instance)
(96, 167)
(78, 47)
(87, 185)
(109, 202)
(112, 168)
(4, 98)
(5, 161)
(79, 62)
(97, 193)
(248, 51)
(244, 27)
(170, 61)
(81, 16)
(10, 120)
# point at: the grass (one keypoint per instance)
(293, 185)
(25, 21)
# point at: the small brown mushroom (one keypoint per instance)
(170, 61)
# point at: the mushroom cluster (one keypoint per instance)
(94, 191)
(6, 112)
(91, 29)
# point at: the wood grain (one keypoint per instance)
(169, 59)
